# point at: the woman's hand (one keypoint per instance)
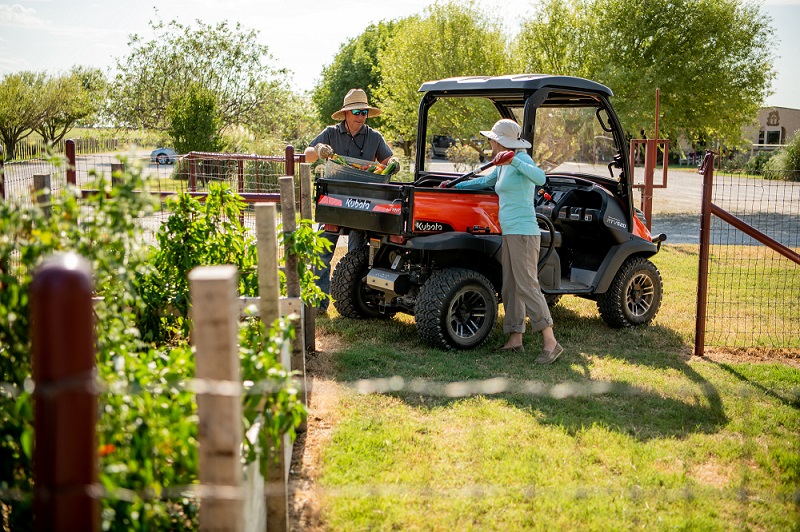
(443, 184)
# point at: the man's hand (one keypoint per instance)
(323, 151)
(443, 184)
(396, 162)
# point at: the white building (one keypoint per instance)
(776, 127)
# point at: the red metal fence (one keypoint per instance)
(770, 317)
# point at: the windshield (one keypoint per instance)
(565, 139)
(571, 140)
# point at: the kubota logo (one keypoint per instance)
(355, 203)
(428, 226)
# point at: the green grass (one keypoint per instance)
(671, 444)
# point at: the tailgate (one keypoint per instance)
(372, 207)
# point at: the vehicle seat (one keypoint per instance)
(545, 242)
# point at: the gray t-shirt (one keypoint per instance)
(367, 144)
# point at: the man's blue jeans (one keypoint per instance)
(355, 239)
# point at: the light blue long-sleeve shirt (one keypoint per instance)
(515, 185)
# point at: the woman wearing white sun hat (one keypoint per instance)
(515, 182)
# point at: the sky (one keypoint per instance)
(54, 35)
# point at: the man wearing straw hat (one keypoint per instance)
(351, 137)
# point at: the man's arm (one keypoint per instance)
(311, 154)
(319, 147)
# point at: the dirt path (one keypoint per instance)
(304, 494)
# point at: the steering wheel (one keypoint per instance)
(552, 230)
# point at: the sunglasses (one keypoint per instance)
(357, 112)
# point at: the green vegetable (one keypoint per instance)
(390, 169)
(372, 168)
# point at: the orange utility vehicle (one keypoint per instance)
(434, 252)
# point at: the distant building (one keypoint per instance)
(776, 127)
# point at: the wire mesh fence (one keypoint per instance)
(252, 176)
(754, 291)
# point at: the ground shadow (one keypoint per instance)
(563, 394)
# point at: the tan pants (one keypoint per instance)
(521, 292)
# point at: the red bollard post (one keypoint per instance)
(2, 178)
(69, 148)
(289, 154)
(65, 398)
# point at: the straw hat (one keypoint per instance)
(506, 133)
(355, 99)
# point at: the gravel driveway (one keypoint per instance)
(772, 207)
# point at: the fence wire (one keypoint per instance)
(396, 384)
(243, 173)
(754, 292)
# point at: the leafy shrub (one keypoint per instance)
(147, 427)
(207, 233)
(785, 164)
(195, 234)
(463, 156)
(103, 229)
(734, 163)
(194, 121)
(756, 163)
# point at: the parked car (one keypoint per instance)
(163, 156)
(440, 144)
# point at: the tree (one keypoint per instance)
(453, 39)
(711, 59)
(194, 121)
(227, 61)
(554, 40)
(22, 108)
(71, 98)
(285, 117)
(356, 65)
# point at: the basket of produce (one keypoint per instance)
(351, 169)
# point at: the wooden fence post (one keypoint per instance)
(65, 401)
(269, 289)
(116, 173)
(289, 216)
(215, 333)
(2, 177)
(707, 170)
(276, 490)
(192, 172)
(309, 320)
(69, 149)
(41, 184)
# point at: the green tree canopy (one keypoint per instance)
(23, 106)
(554, 40)
(711, 59)
(451, 39)
(227, 61)
(194, 121)
(356, 65)
(71, 98)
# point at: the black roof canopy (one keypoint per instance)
(513, 86)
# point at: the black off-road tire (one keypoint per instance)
(351, 295)
(456, 309)
(634, 296)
